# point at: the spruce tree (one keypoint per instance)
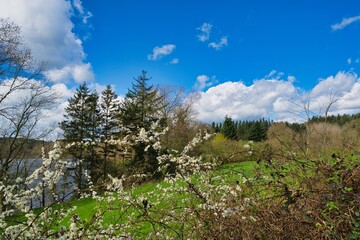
(93, 160)
(81, 127)
(140, 109)
(142, 104)
(229, 129)
(257, 132)
(110, 124)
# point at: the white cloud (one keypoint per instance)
(341, 83)
(175, 61)
(352, 61)
(344, 86)
(159, 52)
(48, 31)
(217, 46)
(278, 99)
(84, 14)
(62, 90)
(205, 29)
(291, 79)
(239, 101)
(203, 81)
(345, 22)
(274, 75)
(79, 73)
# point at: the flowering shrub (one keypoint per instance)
(277, 199)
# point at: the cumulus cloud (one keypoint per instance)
(239, 101)
(344, 23)
(159, 52)
(62, 91)
(344, 87)
(203, 81)
(48, 31)
(278, 99)
(174, 61)
(79, 73)
(205, 30)
(217, 46)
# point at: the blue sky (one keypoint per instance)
(293, 37)
(244, 59)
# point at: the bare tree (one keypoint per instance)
(182, 122)
(333, 98)
(172, 98)
(304, 110)
(23, 98)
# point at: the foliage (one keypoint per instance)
(227, 151)
(81, 129)
(182, 124)
(142, 104)
(277, 197)
(139, 110)
(245, 130)
(338, 119)
(287, 187)
(351, 135)
(228, 129)
(110, 126)
(311, 199)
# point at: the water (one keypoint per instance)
(64, 188)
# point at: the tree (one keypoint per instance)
(229, 129)
(110, 124)
(94, 132)
(140, 109)
(257, 132)
(142, 104)
(23, 99)
(81, 129)
(182, 124)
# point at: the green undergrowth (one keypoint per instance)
(320, 195)
(86, 207)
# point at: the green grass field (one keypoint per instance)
(87, 207)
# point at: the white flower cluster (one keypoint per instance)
(183, 162)
(189, 192)
(151, 138)
(42, 179)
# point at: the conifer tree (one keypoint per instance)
(93, 160)
(81, 126)
(142, 104)
(140, 108)
(229, 129)
(110, 124)
(257, 132)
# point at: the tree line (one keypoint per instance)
(336, 119)
(243, 130)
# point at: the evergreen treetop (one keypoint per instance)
(142, 104)
(229, 129)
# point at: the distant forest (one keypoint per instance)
(255, 130)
